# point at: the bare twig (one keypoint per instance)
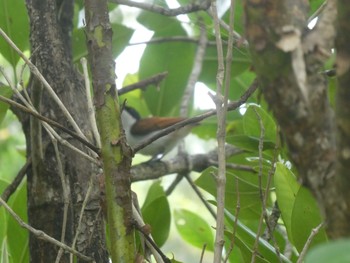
(49, 89)
(232, 106)
(139, 223)
(91, 109)
(261, 194)
(190, 8)
(153, 80)
(41, 234)
(188, 39)
(77, 231)
(221, 101)
(11, 188)
(179, 164)
(314, 232)
(196, 70)
(202, 254)
(199, 194)
(66, 198)
(51, 122)
(235, 223)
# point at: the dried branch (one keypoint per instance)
(50, 122)
(231, 106)
(91, 109)
(157, 40)
(42, 235)
(153, 80)
(11, 188)
(49, 89)
(190, 8)
(196, 70)
(314, 232)
(221, 101)
(179, 164)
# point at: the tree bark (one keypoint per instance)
(50, 31)
(288, 59)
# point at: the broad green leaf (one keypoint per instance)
(240, 63)
(305, 217)
(248, 143)
(250, 204)
(14, 21)
(6, 92)
(174, 57)
(252, 126)
(245, 238)
(121, 37)
(3, 219)
(18, 236)
(194, 229)
(333, 252)
(156, 212)
(287, 189)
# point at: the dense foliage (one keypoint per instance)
(257, 178)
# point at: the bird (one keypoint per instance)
(138, 130)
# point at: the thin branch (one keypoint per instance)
(221, 101)
(77, 231)
(65, 191)
(202, 254)
(261, 194)
(41, 234)
(11, 188)
(314, 232)
(153, 80)
(51, 122)
(174, 183)
(235, 222)
(231, 106)
(49, 89)
(91, 109)
(199, 194)
(196, 70)
(139, 223)
(179, 164)
(190, 8)
(187, 39)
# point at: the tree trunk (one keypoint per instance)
(50, 31)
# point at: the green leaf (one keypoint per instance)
(14, 21)
(333, 252)
(156, 212)
(194, 229)
(287, 188)
(245, 238)
(174, 57)
(252, 127)
(6, 92)
(306, 216)
(17, 236)
(248, 143)
(250, 204)
(121, 37)
(240, 63)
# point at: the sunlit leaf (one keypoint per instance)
(333, 252)
(305, 217)
(194, 229)
(287, 189)
(14, 21)
(156, 213)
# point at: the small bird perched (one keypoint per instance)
(138, 130)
